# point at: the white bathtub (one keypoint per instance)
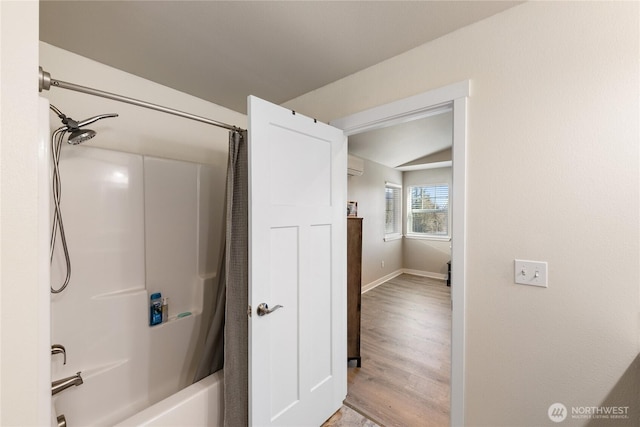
(200, 404)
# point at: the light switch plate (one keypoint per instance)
(533, 273)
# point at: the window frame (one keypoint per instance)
(395, 235)
(427, 236)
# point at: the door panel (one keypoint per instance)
(304, 173)
(284, 364)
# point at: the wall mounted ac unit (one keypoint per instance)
(355, 166)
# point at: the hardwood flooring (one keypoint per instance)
(405, 338)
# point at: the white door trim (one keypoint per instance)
(403, 110)
(453, 97)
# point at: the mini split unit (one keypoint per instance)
(355, 166)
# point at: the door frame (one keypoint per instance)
(413, 108)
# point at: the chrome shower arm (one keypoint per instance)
(95, 119)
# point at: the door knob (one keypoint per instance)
(264, 309)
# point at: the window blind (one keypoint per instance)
(429, 210)
(393, 209)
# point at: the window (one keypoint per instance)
(393, 211)
(428, 211)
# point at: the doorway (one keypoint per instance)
(413, 108)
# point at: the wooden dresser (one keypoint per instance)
(354, 285)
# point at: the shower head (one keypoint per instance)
(79, 136)
(76, 134)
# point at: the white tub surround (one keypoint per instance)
(135, 225)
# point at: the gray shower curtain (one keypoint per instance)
(227, 340)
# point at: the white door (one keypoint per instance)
(297, 259)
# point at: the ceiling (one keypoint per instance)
(398, 145)
(223, 51)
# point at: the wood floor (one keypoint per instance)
(404, 380)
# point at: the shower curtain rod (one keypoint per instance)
(45, 82)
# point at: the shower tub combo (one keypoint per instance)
(135, 225)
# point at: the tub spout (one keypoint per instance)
(63, 384)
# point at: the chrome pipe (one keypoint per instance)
(95, 119)
(45, 83)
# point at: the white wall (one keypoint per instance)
(138, 130)
(141, 131)
(368, 191)
(23, 399)
(426, 255)
(553, 167)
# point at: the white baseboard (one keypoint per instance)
(383, 279)
(438, 276)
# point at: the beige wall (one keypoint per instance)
(368, 191)
(552, 175)
(20, 320)
(426, 254)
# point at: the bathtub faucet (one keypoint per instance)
(63, 384)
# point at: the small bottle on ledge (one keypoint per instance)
(165, 309)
